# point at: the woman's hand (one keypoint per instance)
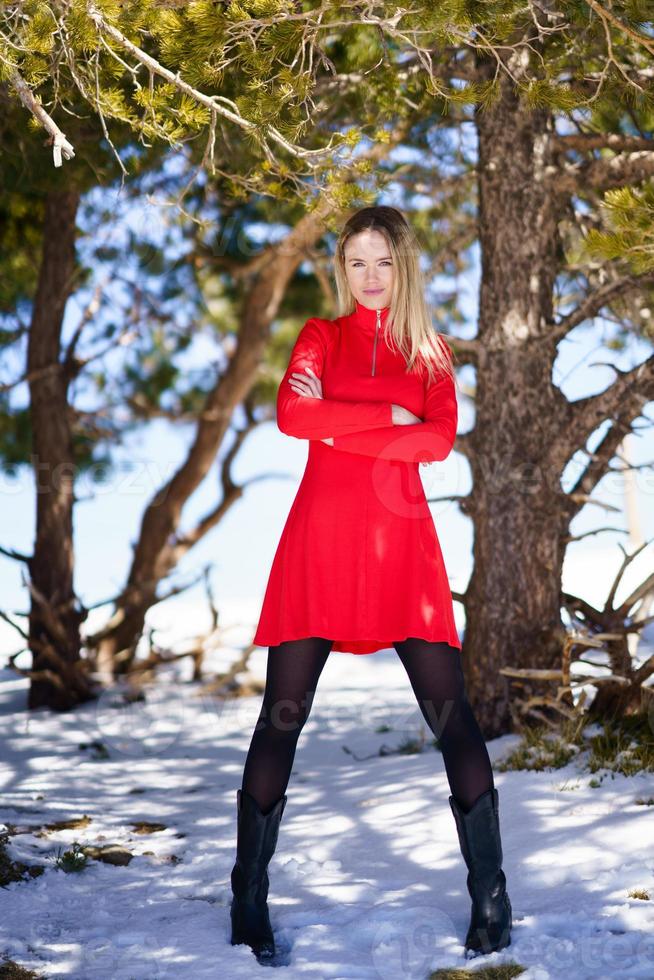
(311, 388)
(402, 416)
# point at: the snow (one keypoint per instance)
(367, 881)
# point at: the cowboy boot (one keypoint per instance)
(481, 846)
(256, 841)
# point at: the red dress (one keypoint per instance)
(358, 560)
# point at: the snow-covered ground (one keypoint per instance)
(367, 880)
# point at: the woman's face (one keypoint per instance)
(369, 269)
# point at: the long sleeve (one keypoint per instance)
(319, 418)
(426, 441)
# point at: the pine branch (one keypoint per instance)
(608, 15)
(217, 104)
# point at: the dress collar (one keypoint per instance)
(366, 318)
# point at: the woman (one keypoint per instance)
(358, 567)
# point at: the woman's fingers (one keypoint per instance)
(300, 386)
(306, 386)
(402, 416)
(317, 384)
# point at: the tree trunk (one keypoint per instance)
(58, 680)
(519, 511)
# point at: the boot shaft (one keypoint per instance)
(479, 834)
(257, 835)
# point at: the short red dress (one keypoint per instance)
(358, 560)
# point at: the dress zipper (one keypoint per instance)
(374, 346)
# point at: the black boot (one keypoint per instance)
(481, 846)
(256, 841)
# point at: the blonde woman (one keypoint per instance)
(358, 567)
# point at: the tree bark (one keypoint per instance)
(518, 508)
(58, 678)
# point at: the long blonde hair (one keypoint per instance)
(409, 326)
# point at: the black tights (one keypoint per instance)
(436, 676)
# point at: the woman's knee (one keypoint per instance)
(284, 717)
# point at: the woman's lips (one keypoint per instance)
(370, 292)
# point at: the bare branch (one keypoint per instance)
(626, 561)
(60, 145)
(470, 347)
(598, 530)
(14, 625)
(600, 141)
(645, 670)
(596, 300)
(622, 402)
(16, 555)
(602, 174)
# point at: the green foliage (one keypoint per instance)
(21, 217)
(363, 48)
(628, 214)
(503, 971)
(624, 745)
(539, 750)
(549, 93)
(270, 68)
(72, 860)
(7, 62)
(35, 70)
(39, 30)
(81, 30)
(15, 436)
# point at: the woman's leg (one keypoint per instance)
(292, 673)
(436, 676)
